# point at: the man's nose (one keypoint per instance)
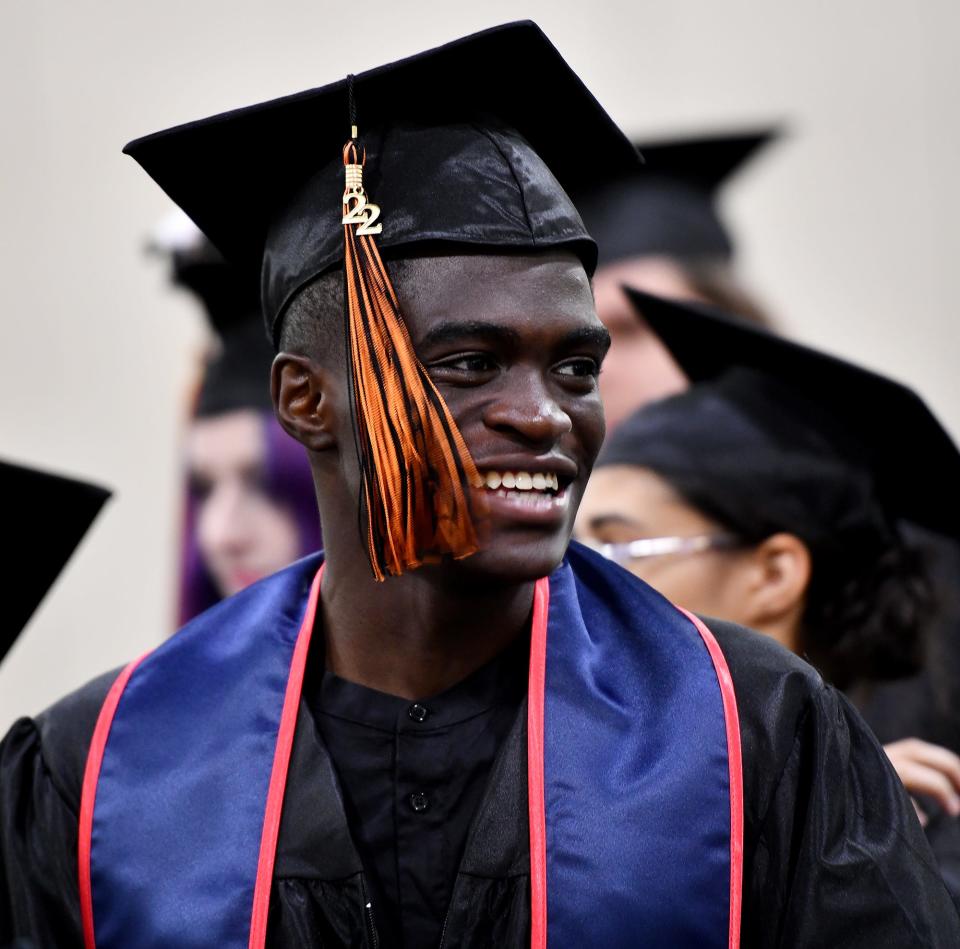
(527, 408)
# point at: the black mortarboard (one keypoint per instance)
(473, 143)
(872, 423)
(237, 376)
(46, 517)
(669, 207)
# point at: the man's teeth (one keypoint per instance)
(521, 481)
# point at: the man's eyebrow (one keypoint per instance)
(598, 336)
(452, 331)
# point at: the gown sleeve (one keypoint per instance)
(838, 856)
(39, 905)
(41, 774)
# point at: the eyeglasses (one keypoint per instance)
(623, 553)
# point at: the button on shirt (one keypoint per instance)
(412, 775)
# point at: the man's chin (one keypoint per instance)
(513, 560)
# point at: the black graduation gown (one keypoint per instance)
(834, 855)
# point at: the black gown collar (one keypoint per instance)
(498, 681)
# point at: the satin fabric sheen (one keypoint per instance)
(637, 787)
(637, 780)
(180, 800)
(416, 174)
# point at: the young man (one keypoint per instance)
(447, 729)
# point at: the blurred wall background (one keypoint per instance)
(848, 228)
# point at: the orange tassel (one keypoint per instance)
(415, 468)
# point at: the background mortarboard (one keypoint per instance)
(876, 422)
(46, 518)
(238, 375)
(669, 207)
(465, 144)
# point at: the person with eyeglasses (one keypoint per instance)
(777, 493)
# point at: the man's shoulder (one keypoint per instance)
(65, 730)
(66, 727)
(78, 709)
(775, 690)
(783, 706)
(762, 670)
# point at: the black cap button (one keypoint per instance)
(418, 713)
(419, 801)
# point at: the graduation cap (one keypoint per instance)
(463, 145)
(669, 208)
(47, 516)
(813, 402)
(459, 145)
(238, 375)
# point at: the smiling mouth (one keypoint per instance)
(540, 497)
(538, 481)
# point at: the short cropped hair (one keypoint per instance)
(314, 324)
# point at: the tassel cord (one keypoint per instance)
(416, 472)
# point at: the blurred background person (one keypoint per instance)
(772, 493)
(250, 508)
(661, 230)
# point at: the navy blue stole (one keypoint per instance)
(633, 766)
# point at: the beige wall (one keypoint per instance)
(849, 228)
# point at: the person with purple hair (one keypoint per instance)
(250, 508)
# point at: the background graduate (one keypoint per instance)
(774, 493)
(660, 229)
(250, 508)
(569, 759)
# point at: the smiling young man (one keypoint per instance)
(448, 729)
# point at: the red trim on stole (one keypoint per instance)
(736, 774)
(88, 796)
(535, 778)
(278, 777)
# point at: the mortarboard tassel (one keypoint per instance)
(416, 471)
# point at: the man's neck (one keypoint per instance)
(415, 636)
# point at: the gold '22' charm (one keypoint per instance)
(356, 208)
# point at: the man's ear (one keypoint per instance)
(781, 568)
(301, 392)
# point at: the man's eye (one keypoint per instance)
(470, 362)
(579, 368)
